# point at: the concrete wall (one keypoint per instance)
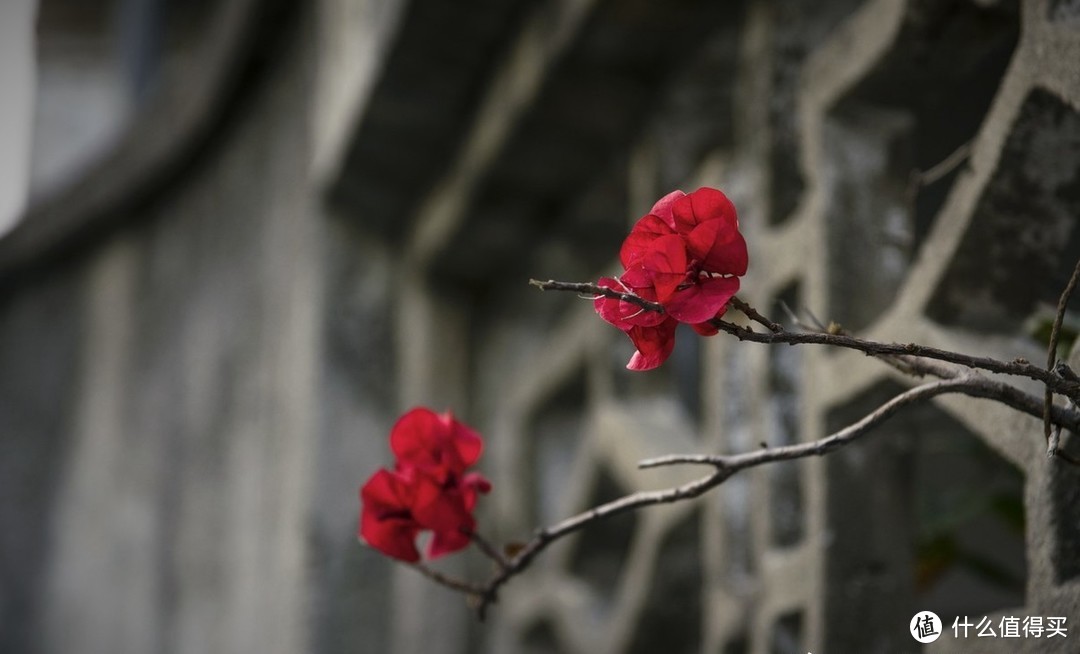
(201, 363)
(17, 73)
(179, 468)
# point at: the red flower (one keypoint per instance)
(427, 491)
(386, 519)
(434, 442)
(685, 254)
(707, 220)
(654, 344)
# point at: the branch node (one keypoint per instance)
(1051, 350)
(1066, 372)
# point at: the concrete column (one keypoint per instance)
(17, 75)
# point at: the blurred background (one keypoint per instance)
(242, 236)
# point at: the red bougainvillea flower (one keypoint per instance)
(428, 490)
(687, 255)
(434, 442)
(386, 519)
(654, 344)
(706, 219)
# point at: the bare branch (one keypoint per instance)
(968, 384)
(1017, 367)
(548, 535)
(489, 550)
(724, 467)
(677, 459)
(453, 583)
(594, 289)
(945, 166)
(921, 178)
(1051, 358)
(910, 358)
(987, 388)
(753, 314)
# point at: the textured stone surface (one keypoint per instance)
(193, 395)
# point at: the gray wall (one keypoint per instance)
(204, 341)
(17, 74)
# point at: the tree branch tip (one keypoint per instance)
(715, 461)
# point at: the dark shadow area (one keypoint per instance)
(671, 621)
(1022, 243)
(783, 410)
(600, 553)
(556, 432)
(541, 638)
(923, 516)
(796, 29)
(786, 635)
(925, 99)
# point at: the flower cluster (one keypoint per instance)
(685, 254)
(428, 489)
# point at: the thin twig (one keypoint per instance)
(1051, 358)
(673, 459)
(945, 166)
(489, 550)
(594, 289)
(989, 389)
(1053, 439)
(820, 325)
(792, 316)
(752, 313)
(546, 536)
(909, 358)
(1066, 372)
(1017, 367)
(453, 583)
(724, 467)
(921, 178)
(836, 440)
(1069, 458)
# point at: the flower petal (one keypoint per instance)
(386, 521)
(471, 485)
(438, 507)
(393, 537)
(719, 247)
(707, 328)
(703, 205)
(654, 345)
(465, 441)
(425, 439)
(413, 436)
(665, 263)
(662, 208)
(644, 232)
(702, 300)
(447, 542)
(445, 512)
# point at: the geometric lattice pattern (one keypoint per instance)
(835, 554)
(331, 217)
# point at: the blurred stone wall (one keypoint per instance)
(17, 73)
(205, 340)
